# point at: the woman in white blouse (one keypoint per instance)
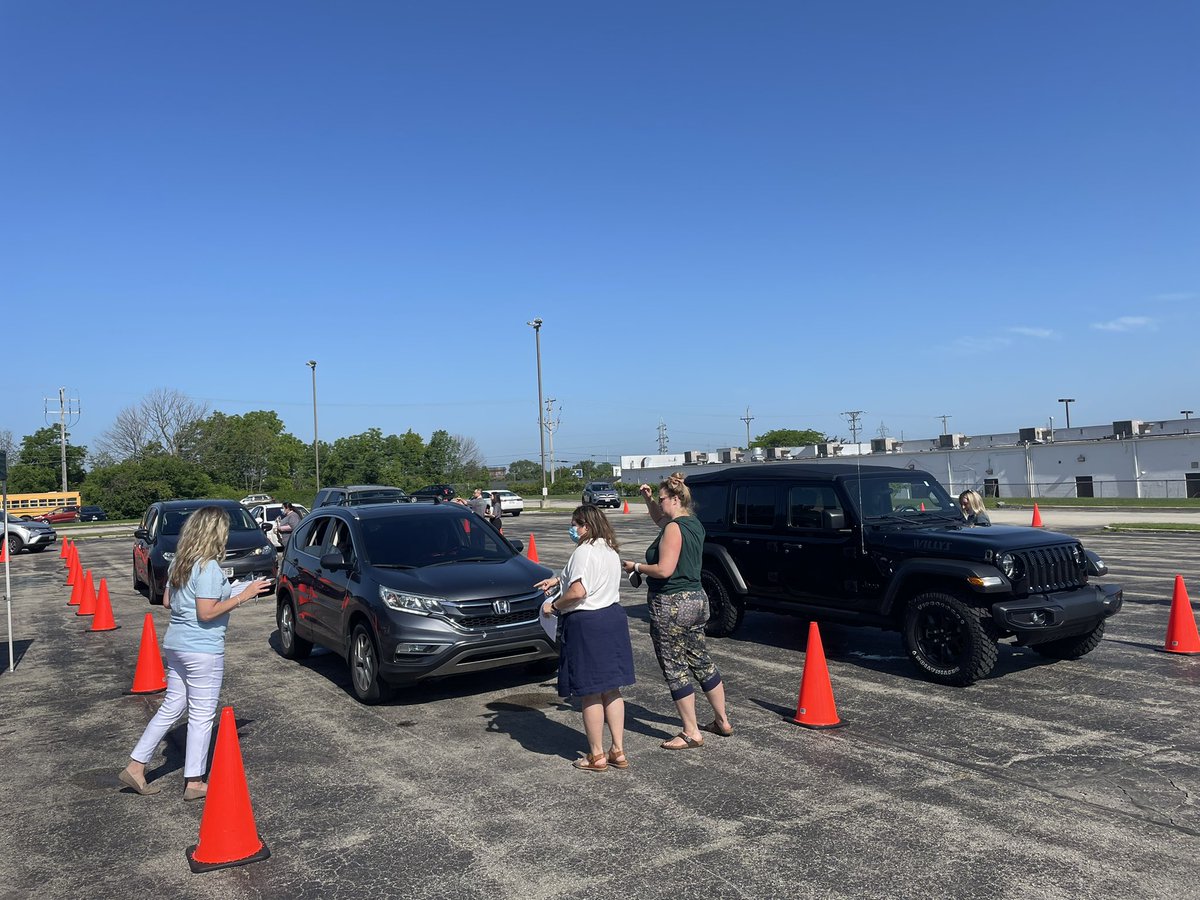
(595, 656)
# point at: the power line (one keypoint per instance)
(944, 418)
(747, 418)
(65, 411)
(852, 417)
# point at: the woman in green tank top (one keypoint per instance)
(679, 609)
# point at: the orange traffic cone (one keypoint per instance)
(228, 835)
(922, 506)
(815, 708)
(149, 677)
(532, 554)
(75, 579)
(1037, 518)
(62, 550)
(4, 552)
(626, 509)
(103, 619)
(1181, 628)
(87, 597)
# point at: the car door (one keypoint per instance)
(817, 561)
(305, 554)
(333, 586)
(142, 545)
(753, 543)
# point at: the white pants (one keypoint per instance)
(193, 686)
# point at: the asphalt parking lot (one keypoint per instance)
(1048, 780)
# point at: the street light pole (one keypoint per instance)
(536, 325)
(312, 364)
(1186, 413)
(1066, 402)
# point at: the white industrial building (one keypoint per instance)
(1129, 458)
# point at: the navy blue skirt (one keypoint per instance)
(594, 652)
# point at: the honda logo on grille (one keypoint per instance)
(502, 607)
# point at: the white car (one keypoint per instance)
(269, 514)
(510, 503)
(254, 499)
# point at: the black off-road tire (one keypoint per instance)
(1073, 647)
(947, 641)
(725, 611)
(291, 645)
(363, 660)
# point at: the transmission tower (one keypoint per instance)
(747, 418)
(662, 437)
(882, 430)
(68, 408)
(852, 417)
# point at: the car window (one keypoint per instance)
(709, 502)
(418, 541)
(152, 522)
(315, 539)
(754, 505)
(339, 538)
(806, 503)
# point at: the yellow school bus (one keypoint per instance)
(26, 506)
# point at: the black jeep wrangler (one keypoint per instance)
(875, 545)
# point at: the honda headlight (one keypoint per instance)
(168, 555)
(413, 603)
(263, 551)
(1007, 564)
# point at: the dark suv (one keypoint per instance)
(875, 545)
(407, 592)
(600, 493)
(434, 493)
(248, 553)
(359, 493)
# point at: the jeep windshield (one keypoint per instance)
(413, 542)
(900, 497)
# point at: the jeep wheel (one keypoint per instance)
(947, 641)
(291, 646)
(724, 610)
(1072, 647)
(368, 687)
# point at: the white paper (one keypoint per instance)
(549, 625)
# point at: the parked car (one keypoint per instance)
(267, 514)
(888, 547)
(248, 554)
(351, 494)
(92, 514)
(434, 492)
(510, 504)
(252, 499)
(601, 493)
(26, 534)
(406, 592)
(59, 515)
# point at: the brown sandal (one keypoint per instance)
(617, 759)
(592, 763)
(713, 728)
(688, 743)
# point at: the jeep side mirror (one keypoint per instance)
(833, 519)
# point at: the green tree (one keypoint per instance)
(524, 470)
(788, 437)
(238, 450)
(127, 488)
(40, 466)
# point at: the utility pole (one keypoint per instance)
(747, 418)
(852, 417)
(550, 426)
(662, 436)
(1066, 402)
(536, 325)
(66, 407)
(944, 418)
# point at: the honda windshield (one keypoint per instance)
(417, 541)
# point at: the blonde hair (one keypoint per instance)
(974, 501)
(203, 537)
(674, 486)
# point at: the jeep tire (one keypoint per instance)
(724, 610)
(946, 639)
(1073, 647)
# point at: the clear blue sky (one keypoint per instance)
(912, 209)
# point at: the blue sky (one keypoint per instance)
(912, 209)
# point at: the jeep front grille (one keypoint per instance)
(1050, 569)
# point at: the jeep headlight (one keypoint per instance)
(412, 603)
(1007, 564)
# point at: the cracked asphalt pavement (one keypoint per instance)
(1064, 779)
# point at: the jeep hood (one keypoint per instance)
(968, 542)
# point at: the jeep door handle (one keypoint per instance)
(741, 541)
(788, 548)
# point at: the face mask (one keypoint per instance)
(573, 534)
